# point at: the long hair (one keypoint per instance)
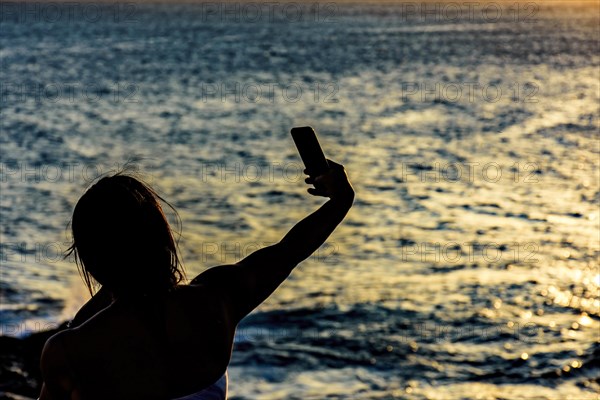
(122, 239)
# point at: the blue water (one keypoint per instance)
(468, 267)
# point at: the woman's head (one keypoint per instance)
(122, 240)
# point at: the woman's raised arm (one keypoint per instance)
(252, 280)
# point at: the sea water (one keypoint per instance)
(468, 266)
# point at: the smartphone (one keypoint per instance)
(310, 151)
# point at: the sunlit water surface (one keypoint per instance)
(468, 267)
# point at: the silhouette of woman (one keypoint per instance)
(144, 335)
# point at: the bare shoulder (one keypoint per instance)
(54, 365)
(54, 347)
(212, 286)
(224, 283)
(214, 276)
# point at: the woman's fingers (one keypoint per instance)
(316, 192)
(330, 183)
(321, 180)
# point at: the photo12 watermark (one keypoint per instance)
(249, 171)
(470, 172)
(65, 172)
(460, 252)
(469, 92)
(69, 92)
(26, 328)
(66, 12)
(268, 11)
(212, 252)
(467, 11)
(210, 171)
(226, 252)
(268, 92)
(33, 253)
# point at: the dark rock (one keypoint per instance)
(20, 364)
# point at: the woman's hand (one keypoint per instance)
(333, 184)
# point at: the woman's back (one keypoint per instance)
(151, 348)
(159, 340)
